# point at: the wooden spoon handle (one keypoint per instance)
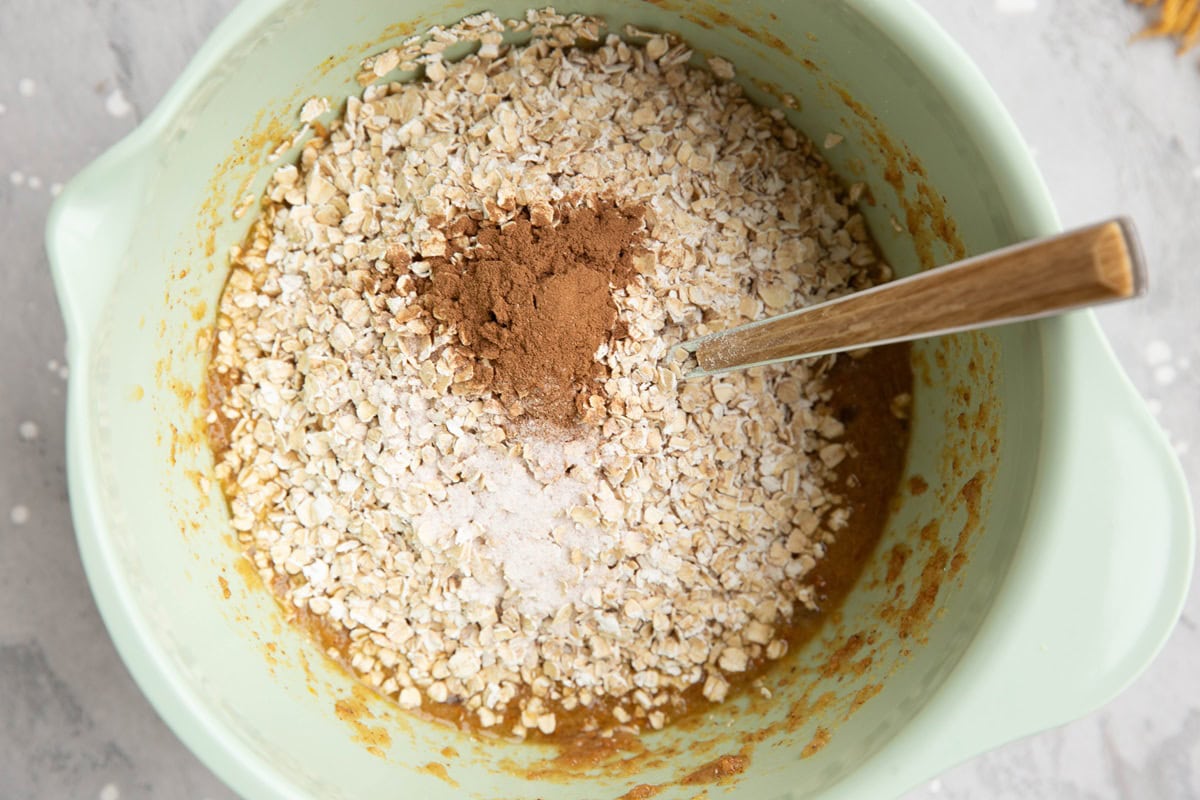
(1047, 276)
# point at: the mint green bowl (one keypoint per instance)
(1046, 563)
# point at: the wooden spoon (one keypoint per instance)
(1097, 264)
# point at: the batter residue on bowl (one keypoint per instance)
(444, 405)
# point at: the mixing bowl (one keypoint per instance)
(1034, 562)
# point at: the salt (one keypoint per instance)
(519, 524)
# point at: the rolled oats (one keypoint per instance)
(470, 558)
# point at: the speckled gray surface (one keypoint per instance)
(1115, 129)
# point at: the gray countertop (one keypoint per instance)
(1116, 129)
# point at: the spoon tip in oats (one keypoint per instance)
(1088, 266)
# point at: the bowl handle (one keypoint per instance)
(1092, 598)
(91, 226)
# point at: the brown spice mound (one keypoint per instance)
(533, 300)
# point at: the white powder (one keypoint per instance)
(1158, 352)
(550, 455)
(116, 104)
(518, 527)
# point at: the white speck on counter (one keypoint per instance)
(1158, 352)
(34, 182)
(56, 189)
(28, 430)
(935, 786)
(109, 792)
(26, 87)
(116, 104)
(52, 365)
(1195, 170)
(1154, 406)
(1165, 374)
(16, 177)
(1182, 448)
(19, 515)
(3, 108)
(1016, 6)
(64, 372)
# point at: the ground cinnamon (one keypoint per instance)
(533, 300)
